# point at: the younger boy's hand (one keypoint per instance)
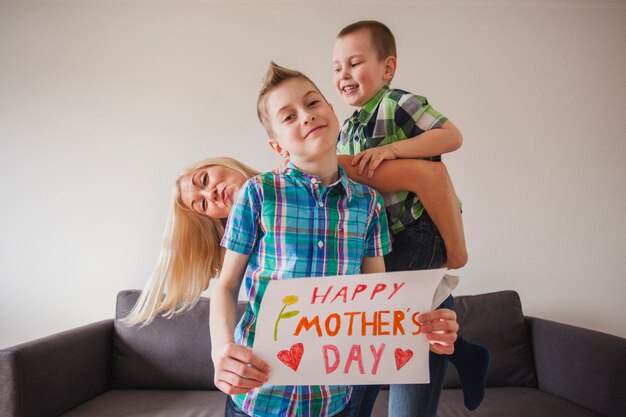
(238, 370)
(440, 327)
(371, 158)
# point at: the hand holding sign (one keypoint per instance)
(238, 370)
(440, 327)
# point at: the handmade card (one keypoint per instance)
(351, 329)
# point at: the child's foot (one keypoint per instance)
(472, 362)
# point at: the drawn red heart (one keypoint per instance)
(292, 357)
(402, 357)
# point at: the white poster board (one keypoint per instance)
(351, 329)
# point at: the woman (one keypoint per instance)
(191, 254)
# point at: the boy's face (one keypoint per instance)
(358, 72)
(304, 124)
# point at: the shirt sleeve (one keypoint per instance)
(242, 227)
(377, 240)
(413, 115)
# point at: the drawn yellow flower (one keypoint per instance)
(287, 301)
(290, 299)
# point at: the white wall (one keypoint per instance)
(103, 103)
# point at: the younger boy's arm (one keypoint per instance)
(430, 143)
(237, 369)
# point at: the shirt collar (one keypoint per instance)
(343, 183)
(364, 115)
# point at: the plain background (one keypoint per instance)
(103, 103)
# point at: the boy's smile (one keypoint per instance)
(315, 129)
(358, 72)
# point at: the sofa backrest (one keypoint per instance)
(496, 321)
(172, 353)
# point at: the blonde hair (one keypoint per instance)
(275, 76)
(190, 255)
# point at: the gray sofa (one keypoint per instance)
(539, 367)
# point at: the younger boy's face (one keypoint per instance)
(358, 72)
(305, 125)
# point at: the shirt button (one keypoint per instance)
(313, 180)
(321, 204)
(320, 244)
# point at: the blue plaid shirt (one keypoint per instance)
(293, 228)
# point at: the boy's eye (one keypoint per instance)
(313, 103)
(204, 179)
(288, 118)
(203, 204)
(336, 69)
(355, 64)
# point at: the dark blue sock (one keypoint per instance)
(471, 361)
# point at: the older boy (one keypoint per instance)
(389, 124)
(284, 226)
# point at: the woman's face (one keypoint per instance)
(211, 191)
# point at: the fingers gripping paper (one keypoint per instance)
(357, 329)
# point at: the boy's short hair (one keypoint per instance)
(382, 39)
(275, 76)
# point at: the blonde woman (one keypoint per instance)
(204, 193)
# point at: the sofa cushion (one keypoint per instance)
(170, 353)
(153, 403)
(496, 320)
(511, 402)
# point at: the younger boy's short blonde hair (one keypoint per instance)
(381, 37)
(275, 76)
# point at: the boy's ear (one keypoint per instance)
(273, 143)
(390, 67)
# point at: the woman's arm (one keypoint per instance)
(431, 182)
(237, 369)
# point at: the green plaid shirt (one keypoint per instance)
(391, 115)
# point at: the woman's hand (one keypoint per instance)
(238, 370)
(440, 327)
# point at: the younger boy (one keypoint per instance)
(308, 220)
(389, 124)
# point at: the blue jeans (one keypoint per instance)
(419, 246)
(233, 411)
(363, 399)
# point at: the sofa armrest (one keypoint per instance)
(52, 375)
(580, 365)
